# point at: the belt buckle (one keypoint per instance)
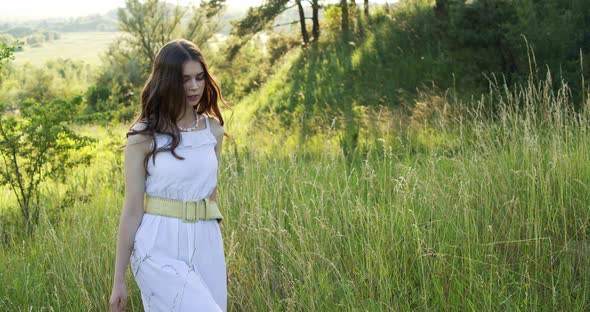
(190, 210)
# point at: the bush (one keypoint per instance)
(36, 146)
(279, 43)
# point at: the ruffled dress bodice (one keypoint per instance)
(193, 178)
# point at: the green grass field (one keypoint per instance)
(338, 196)
(81, 46)
(494, 217)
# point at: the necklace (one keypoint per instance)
(193, 127)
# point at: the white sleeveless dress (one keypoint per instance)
(180, 266)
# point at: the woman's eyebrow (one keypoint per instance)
(197, 74)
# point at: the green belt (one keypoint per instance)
(188, 211)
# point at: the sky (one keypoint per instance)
(71, 8)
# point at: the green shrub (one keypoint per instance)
(36, 146)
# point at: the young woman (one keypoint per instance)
(169, 228)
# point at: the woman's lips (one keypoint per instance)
(193, 97)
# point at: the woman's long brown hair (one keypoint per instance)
(163, 98)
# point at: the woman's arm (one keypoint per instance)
(135, 150)
(217, 131)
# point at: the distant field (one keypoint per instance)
(85, 46)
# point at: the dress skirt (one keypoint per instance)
(179, 266)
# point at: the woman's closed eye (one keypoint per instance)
(198, 78)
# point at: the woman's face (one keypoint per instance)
(193, 77)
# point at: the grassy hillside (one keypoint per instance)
(357, 90)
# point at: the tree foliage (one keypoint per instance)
(7, 49)
(460, 42)
(258, 17)
(255, 21)
(152, 24)
(251, 68)
(484, 25)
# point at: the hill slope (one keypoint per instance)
(321, 90)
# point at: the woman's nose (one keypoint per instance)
(194, 85)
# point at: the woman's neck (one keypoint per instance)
(187, 119)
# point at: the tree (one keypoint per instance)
(344, 26)
(38, 145)
(302, 22)
(258, 18)
(152, 24)
(255, 21)
(366, 8)
(315, 30)
(357, 16)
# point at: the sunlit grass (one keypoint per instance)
(494, 216)
(335, 203)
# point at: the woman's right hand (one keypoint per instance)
(118, 300)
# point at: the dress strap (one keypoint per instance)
(207, 123)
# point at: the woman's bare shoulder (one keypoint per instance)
(216, 127)
(138, 138)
